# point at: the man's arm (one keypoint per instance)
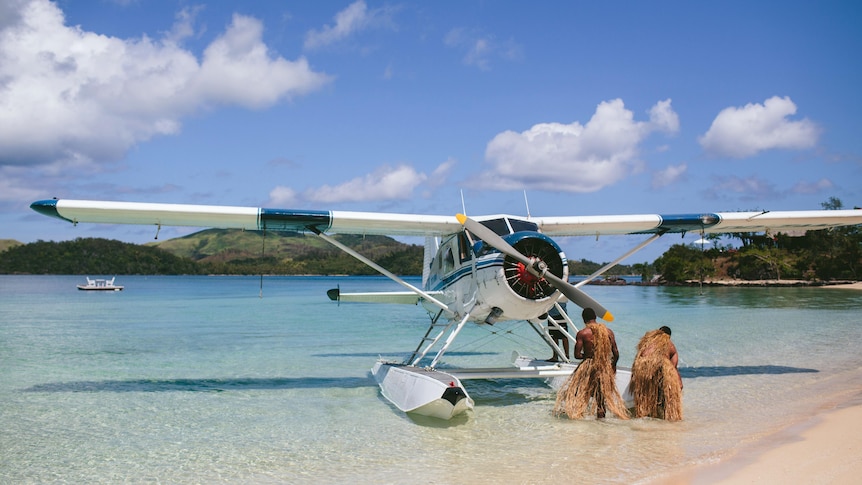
(614, 349)
(672, 355)
(674, 358)
(579, 345)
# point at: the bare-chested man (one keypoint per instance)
(594, 381)
(584, 342)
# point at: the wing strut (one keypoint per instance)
(616, 261)
(449, 340)
(439, 304)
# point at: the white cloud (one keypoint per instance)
(355, 18)
(441, 173)
(238, 69)
(813, 187)
(78, 97)
(668, 176)
(574, 157)
(480, 49)
(750, 188)
(282, 196)
(12, 189)
(386, 183)
(743, 132)
(663, 117)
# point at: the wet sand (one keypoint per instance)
(825, 449)
(849, 286)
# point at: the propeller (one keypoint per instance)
(535, 266)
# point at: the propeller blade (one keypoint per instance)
(578, 296)
(575, 295)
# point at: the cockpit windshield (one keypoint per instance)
(502, 227)
(505, 226)
(519, 225)
(499, 226)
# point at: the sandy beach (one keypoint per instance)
(850, 286)
(826, 449)
(823, 449)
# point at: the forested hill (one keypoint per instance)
(92, 257)
(213, 251)
(254, 252)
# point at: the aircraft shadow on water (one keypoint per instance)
(739, 370)
(204, 385)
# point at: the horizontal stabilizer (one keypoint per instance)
(404, 297)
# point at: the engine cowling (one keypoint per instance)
(538, 246)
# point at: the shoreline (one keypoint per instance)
(825, 447)
(847, 286)
(779, 283)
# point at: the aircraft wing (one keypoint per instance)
(249, 218)
(718, 222)
(394, 224)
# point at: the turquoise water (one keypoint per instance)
(202, 380)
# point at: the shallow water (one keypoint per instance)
(199, 379)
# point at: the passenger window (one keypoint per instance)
(464, 247)
(448, 261)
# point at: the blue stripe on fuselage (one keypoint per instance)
(465, 270)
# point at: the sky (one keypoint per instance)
(547, 108)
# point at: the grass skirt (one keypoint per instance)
(592, 385)
(655, 383)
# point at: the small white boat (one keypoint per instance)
(100, 284)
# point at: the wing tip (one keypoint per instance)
(47, 207)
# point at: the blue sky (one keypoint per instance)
(591, 108)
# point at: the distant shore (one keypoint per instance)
(825, 284)
(855, 285)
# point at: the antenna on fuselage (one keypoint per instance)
(527, 203)
(463, 205)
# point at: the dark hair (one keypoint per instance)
(588, 314)
(665, 329)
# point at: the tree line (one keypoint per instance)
(823, 255)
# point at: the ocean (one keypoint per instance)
(194, 379)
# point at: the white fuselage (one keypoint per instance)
(482, 284)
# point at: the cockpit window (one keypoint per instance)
(464, 249)
(499, 226)
(518, 226)
(503, 227)
(448, 261)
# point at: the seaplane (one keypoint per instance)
(476, 270)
